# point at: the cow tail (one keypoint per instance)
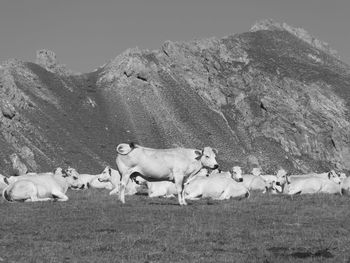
(6, 195)
(125, 148)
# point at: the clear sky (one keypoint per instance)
(85, 34)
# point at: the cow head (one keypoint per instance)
(106, 174)
(58, 171)
(72, 178)
(256, 171)
(342, 176)
(282, 177)
(333, 176)
(275, 189)
(138, 180)
(236, 174)
(207, 157)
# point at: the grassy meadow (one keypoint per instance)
(95, 227)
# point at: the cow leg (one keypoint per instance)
(179, 180)
(36, 199)
(59, 196)
(114, 191)
(123, 182)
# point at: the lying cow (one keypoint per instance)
(12, 179)
(235, 173)
(161, 189)
(253, 182)
(215, 187)
(313, 185)
(167, 189)
(310, 175)
(269, 178)
(283, 177)
(113, 177)
(92, 181)
(50, 186)
(176, 165)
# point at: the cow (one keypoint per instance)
(167, 189)
(176, 165)
(269, 178)
(253, 181)
(161, 189)
(235, 173)
(215, 187)
(12, 178)
(308, 175)
(91, 181)
(275, 188)
(50, 186)
(283, 177)
(313, 185)
(113, 177)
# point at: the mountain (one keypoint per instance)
(274, 96)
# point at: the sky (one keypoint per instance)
(85, 34)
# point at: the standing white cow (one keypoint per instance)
(45, 187)
(176, 165)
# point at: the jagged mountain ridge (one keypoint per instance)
(270, 97)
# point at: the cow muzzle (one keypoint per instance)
(216, 166)
(240, 180)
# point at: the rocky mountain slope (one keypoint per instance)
(274, 96)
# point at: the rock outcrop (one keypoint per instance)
(272, 97)
(47, 59)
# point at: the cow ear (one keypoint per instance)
(215, 151)
(199, 154)
(6, 180)
(64, 173)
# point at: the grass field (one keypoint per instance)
(95, 227)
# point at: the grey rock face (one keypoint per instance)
(268, 97)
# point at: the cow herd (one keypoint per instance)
(186, 173)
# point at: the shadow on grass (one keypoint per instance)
(205, 202)
(300, 252)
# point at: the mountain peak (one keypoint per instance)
(270, 24)
(47, 59)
